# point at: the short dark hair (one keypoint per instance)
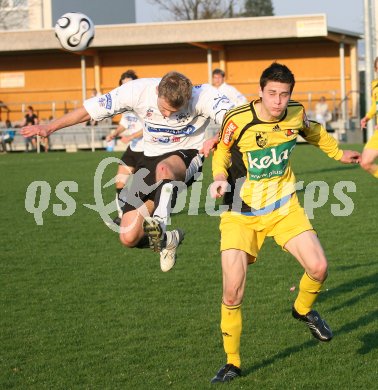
(277, 72)
(176, 89)
(219, 71)
(129, 74)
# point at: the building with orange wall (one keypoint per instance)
(34, 70)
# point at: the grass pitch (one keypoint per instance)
(79, 311)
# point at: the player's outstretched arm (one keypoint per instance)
(72, 118)
(350, 157)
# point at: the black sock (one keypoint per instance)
(143, 243)
(119, 201)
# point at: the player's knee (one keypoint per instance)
(163, 171)
(232, 295)
(120, 181)
(128, 240)
(366, 164)
(320, 271)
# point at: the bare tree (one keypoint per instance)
(199, 9)
(14, 14)
(4, 14)
(258, 8)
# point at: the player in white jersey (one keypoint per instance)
(134, 127)
(175, 116)
(231, 92)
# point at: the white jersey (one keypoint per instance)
(132, 124)
(233, 94)
(184, 129)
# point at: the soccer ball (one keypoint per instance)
(75, 31)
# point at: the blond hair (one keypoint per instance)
(176, 89)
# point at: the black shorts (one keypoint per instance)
(144, 181)
(131, 158)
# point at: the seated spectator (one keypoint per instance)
(5, 107)
(45, 143)
(7, 137)
(31, 118)
(322, 112)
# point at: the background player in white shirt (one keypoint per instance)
(231, 92)
(175, 116)
(132, 124)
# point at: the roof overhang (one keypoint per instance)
(210, 31)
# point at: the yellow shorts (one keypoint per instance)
(373, 141)
(248, 233)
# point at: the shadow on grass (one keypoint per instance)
(354, 266)
(362, 321)
(279, 356)
(356, 299)
(369, 280)
(343, 167)
(370, 342)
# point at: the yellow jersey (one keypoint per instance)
(254, 154)
(374, 100)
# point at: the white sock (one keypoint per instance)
(163, 210)
(119, 208)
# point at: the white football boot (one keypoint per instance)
(167, 247)
(168, 254)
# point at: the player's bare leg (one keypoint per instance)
(234, 271)
(306, 248)
(171, 168)
(166, 242)
(124, 173)
(132, 233)
(368, 157)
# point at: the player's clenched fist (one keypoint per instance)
(219, 187)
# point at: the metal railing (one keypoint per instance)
(87, 137)
(70, 139)
(45, 110)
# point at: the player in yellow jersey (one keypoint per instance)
(251, 169)
(370, 152)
